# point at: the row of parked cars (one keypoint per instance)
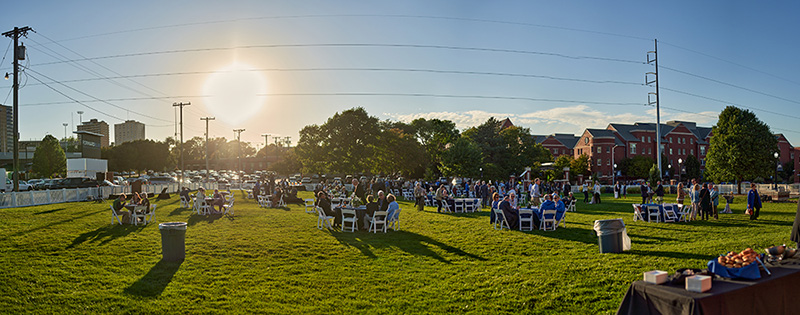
(59, 183)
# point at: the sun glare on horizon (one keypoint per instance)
(235, 93)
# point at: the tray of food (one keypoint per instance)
(741, 265)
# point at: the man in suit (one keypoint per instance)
(359, 189)
(383, 205)
(645, 193)
(509, 213)
(484, 193)
(659, 193)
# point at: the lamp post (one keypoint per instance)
(614, 174)
(65, 136)
(481, 169)
(777, 163)
(680, 169)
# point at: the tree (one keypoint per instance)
(692, 166)
(398, 153)
(580, 166)
(741, 148)
(560, 163)
(49, 158)
(346, 143)
(506, 151)
(637, 167)
(139, 155)
(462, 158)
(654, 176)
(434, 135)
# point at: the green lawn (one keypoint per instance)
(67, 258)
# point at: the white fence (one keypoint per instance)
(43, 197)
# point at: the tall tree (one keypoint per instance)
(506, 151)
(637, 167)
(346, 143)
(580, 166)
(462, 158)
(741, 148)
(434, 135)
(692, 166)
(49, 158)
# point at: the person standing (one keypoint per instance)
(705, 202)
(419, 195)
(567, 188)
(796, 226)
(597, 189)
(585, 190)
(659, 193)
(624, 190)
(753, 202)
(645, 193)
(484, 193)
(616, 190)
(536, 193)
(694, 195)
(714, 199)
(681, 194)
(439, 196)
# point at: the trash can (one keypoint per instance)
(173, 236)
(610, 234)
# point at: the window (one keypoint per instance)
(599, 149)
(586, 140)
(691, 141)
(670, 139)
(662, 148)
(691, 151)
(649, 140)
(703, 150)
(599, 162)
(702, 162)
(633, 148)
(649, 150)
(642, 138)
(608, 149)
(608, 162)
(670, 151)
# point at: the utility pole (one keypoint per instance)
(649, 102)
(266, 147)
(19, 54)
(181, 105)
(239, 149)
(80, 117)
(207, 170)
(65, 136)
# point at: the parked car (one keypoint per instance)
(33, 182)
(23, 186)
(51, 183)
(249, 184)
(162, 180)
(76, 182)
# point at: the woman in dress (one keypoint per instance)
(705, 202)
(681, 194)
(695, 197)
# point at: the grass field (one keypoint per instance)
(68, 258)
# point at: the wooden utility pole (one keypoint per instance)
(181, 105)
(19, 54)
(208, 173)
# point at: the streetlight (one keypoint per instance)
(778, 163)
(680, 169)
(614, 174)
(80, 117)
(481, 172)
(65, 135)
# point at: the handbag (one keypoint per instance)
(749, 211)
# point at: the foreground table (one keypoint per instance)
(775, 294)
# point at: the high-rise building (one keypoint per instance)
(95, 126)
(6, 128)
(130, 130)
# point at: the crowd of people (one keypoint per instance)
(137, 199)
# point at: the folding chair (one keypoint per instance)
(151, 214)
(138, 213)
(429, 201)
(309, 204)
(469, 205)
(525, 215)
(228, 207)
(653, 211)
(378, 218)
(669, 213)
(114, 215)
(500, 219)
(323, 220)
(394, 223)
(548, 219)
(349, 216)
(571, 207)
(281, 203)
(458, 205)
(185, 203)
(683, 210)
(201, 207)
(637, 212)
(446, 206)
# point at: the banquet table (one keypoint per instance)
(775, 294)
(361, 212)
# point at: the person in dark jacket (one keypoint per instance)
(796, 226)
(509, 212)
(645, 193)
(660, 193)
(753, 202)
(705, 202)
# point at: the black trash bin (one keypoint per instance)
(609, 234)
(173, 236)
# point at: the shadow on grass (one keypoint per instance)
(211, 218)
(178, 210)
(408, 242)
(49, 211)
(105, 234)
(155, 281)
(658, 253)
(49, 225)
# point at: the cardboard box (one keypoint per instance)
(698, 283)
(655, 277)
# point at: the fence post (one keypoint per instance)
(14, 199)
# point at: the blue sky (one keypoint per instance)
(552, 66)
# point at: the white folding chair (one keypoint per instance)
(469, 205)
(458, 205)
(379, 218)
(201, 206)
(323, 220)
(309, 204)
(669, 213)
(114, 215)
(138, 213)
(349, 216)
(571, 206)
(185, 202)
(281, 203)
(527, 218)
(563, 219)
(637, 212)
(428, 201)
(446, 206)
(151, 214)
(228, 207)
(394, 223)
(548, 219)
(683, 210)
(653, 211)
(500, 219)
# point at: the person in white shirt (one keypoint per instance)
(535, 195)
(585, 190)
(597, 191)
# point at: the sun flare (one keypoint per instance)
(235, 93)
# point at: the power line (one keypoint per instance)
(731, 85)
(75, 100)
(731, 103)
(350, 45)
(519, 98)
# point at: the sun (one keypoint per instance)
(235, 93)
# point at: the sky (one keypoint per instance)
(273, 67)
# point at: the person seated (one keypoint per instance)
(392, 210)
(184, 193)
(512, 199)
(219, 200)
(119, 205)
(509, 213)
(495, 205)
(372, 206)
(324, 203)
(276, 196)
(136, 199)
(561, 208)
(383, 205)
(548, 204)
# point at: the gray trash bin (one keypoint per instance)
(609, 234)
(173, 236)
